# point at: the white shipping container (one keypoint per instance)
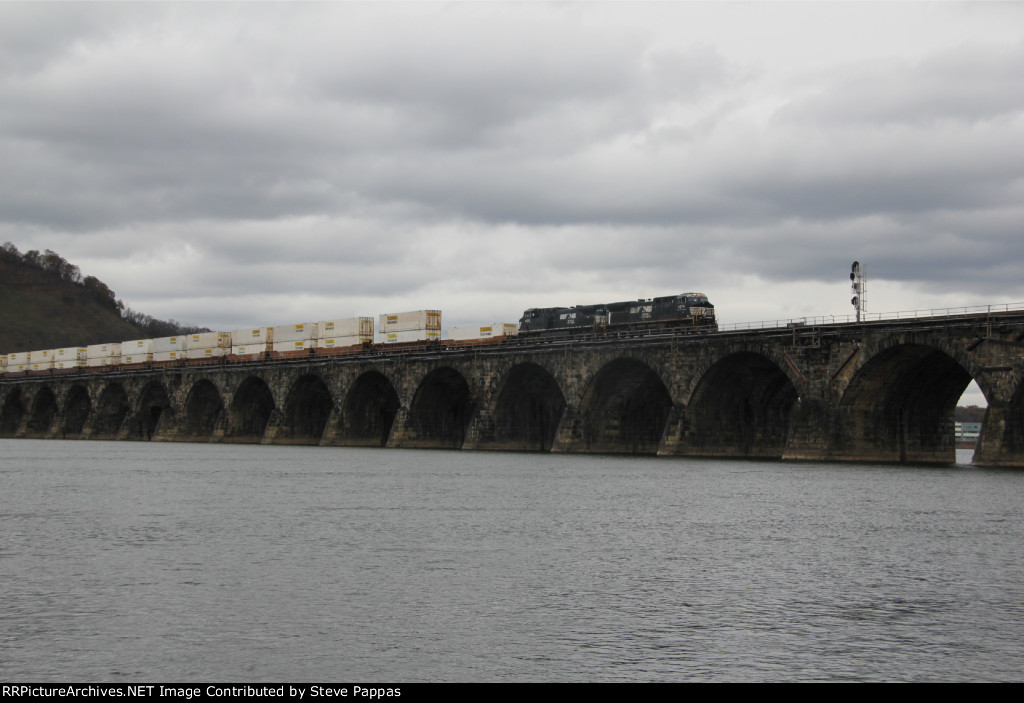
(206, 340)
(40, 365)
(41, 356)
(135, 347)
(245, 349)
(69, 363)
(17, 359)
(295, 345)
(176, 355)
(103, 361)
(207, 353)
(349, 327)
(293, 333)
(161, 345)
(413, 320)
(253, 335)
(495, 329)
(336, 342)
(69, 354)
(412, 336)
(140, 358)
(100, 351)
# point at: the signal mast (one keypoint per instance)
(859, 286)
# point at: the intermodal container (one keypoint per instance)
(173, 355)
(338, 342)
(496, 329)
(100, 351)
(135, 347)
(209, 340)
(294, 333)
(247, 349)
(413, 320)
(412, 336)
(207, 352)
(295, 345)
(69, 354)
(162, 345)
(349, 327)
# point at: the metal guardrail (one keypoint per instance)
(966, 310)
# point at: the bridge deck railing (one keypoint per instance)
(965, 310)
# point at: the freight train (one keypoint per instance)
(687, 310)
(397, 331)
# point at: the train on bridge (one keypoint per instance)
(873, 391)
(690, 311)
(686, 312)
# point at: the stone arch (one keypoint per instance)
(740, 406)
(306, 411)
(625, 409)
(153, 409)
(899, 405)
(43, 413)
(441, 410)
(111, 410)
(528, 409)
(12, 413)
(251, 409)
(370, 410)
(77, 406)
(203, 408)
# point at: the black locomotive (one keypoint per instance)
(669, 311)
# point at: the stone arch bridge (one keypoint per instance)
(880, 391)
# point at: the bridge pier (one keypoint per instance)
(811, 430)
(1002, 439)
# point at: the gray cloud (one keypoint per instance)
(197, 157)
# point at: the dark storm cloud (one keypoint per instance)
(492, 130)
(526, 151)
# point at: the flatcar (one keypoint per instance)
(686, 310)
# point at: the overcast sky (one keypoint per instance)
(257, 164)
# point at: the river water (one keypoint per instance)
(124, 561)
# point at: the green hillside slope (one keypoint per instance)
(40, 310)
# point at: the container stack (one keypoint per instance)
(254, 340)
(69, 358)
(137, 351)
(414, 326)
(17, 362)
(350, 332)
(295, 338)
(488, 331)
(170, 348)
(208, 345)
(41, 360)
(103, 355)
